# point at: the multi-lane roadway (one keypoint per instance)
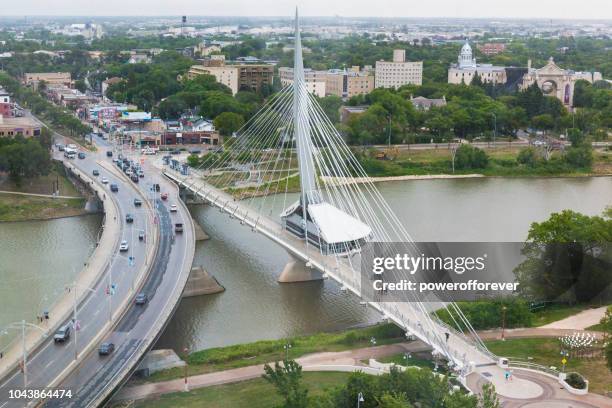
(76, 366)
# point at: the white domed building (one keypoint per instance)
(466, 68)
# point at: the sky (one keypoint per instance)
(547, 9)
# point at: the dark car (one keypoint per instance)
(109, 153)
(62, 334)
(164, 196)
(137, 202)
(129, 219)
(134, 178)
(106, 348)
(114, 188)
(141, 236)
(95, 172)
(178, 227)
(61, 147)
(81, 155)
(141, 299)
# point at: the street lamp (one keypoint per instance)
(494, 127)
(503, 322)
(360, 399)
(23, 324)
(75, 322)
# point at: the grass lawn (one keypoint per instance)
(553, 313)
(265, 351)
(254, 393)
(546, 351)
(21, 208)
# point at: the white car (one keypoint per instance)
(104, 180)
(124, 246)
(173, 208)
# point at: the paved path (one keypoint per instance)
(37, 195)
(579, 321)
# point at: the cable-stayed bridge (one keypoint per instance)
(291, 144)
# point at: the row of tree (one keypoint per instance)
(398, 389)
(24, 158)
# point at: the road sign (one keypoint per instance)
(564, 361)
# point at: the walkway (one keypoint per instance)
(579, 321)
(37, 195)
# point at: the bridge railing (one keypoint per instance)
(519, 363)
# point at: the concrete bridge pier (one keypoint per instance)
(296, 270)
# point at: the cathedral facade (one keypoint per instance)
(556, 81)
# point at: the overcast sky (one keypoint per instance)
(569, 9)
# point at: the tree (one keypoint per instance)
(488, 398)
(80, 85)
(389, 400)
(171, 107)
(576, 137)
(469, 157)
(286, 378)
(567, 258)
(331, 106)
(581, 157)
(543, 122)
(228, 122)
(528, 157)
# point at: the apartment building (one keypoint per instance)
(236, 77)
(393, 74)
(348, 83)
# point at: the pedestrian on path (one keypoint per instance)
(506, 375)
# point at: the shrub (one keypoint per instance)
(575, 380)
(487, 314)
(469, 157)
(579, 156)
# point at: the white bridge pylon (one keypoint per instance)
(291, 145)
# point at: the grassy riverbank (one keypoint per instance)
(17, 207)
(502, 162)
(256, 393)
(265, 351)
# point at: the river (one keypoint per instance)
(37, 260)
(254, 306)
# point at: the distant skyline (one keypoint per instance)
(546, 9)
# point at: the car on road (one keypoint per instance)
(109, 153)
(123, 247)
(173, 208)
(106, 348)
(164, 196)
(141, 236)
(95, 172)
(81, 155)
(140, 173)
(129, 218)
(114, 188)
(62, 334)
(134, 178)
(178, 227)
(60, 147)
(141, 299)
(137, 202)
(104, 180)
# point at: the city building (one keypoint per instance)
(422, 103)
(347, 111)
(253, 77)
(466, 68)
(393, 74)
(50, 78)
(491, 48)
(6, 107)
(314, 80)
(556, 81)
(205, 50)
(139, 59)
(348, 83)
(191, 130)
(21, 126)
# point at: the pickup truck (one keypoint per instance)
(178, 227)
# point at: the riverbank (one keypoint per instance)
(33, 199)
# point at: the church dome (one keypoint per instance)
(466, 49)
(465, 58)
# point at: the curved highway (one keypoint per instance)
(92, 378)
